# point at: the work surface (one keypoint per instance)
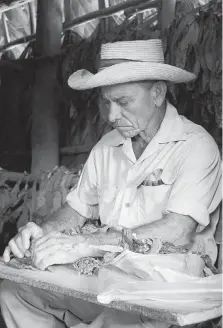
(68, 282)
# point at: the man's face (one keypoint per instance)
(128, 107)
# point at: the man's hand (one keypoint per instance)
(58, 248)
(20, 244)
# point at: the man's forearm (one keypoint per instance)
(64, 218)
(174, 228)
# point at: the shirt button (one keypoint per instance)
(127, 204)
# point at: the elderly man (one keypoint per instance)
(156, 173)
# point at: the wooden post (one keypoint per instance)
(104, 21)
(68, 10)
(12, 134)
(167, 13)
(31, 6)
(45, 131)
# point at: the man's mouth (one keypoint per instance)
(122, 127)
(128, 130)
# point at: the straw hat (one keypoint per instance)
(129, 61)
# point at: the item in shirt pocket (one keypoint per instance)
(153, 179)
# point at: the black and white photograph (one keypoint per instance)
(111, 164)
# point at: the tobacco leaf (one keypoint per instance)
(23, 218)
(3, 179)
(196, 66)
(5, 199)
(34, 197)
(201, 54)
(209, 54)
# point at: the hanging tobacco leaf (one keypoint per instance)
(199, 53)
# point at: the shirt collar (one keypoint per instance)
(172, 126)
(171, 129)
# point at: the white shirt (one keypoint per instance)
(111, 182)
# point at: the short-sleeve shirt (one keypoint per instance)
(112, 185)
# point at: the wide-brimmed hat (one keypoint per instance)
(129, 61)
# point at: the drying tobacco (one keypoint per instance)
(23, 202)
(193, 42)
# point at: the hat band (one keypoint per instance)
(104, 63)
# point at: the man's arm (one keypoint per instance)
(64, 218)
(176, 228)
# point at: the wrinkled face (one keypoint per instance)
(128, 107)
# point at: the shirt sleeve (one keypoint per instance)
(196, 191)
(84, 197)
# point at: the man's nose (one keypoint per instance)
(114, 113)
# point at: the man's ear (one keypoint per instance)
(160, 89)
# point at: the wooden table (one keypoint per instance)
(67, 282)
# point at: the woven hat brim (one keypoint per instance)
(128, 72)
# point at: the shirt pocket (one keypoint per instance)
(153, 199)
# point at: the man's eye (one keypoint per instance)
(123, 103)
(105, 101)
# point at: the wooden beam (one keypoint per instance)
(75, 150)
(5, 28)
(14, 4)
(106, 12)
(138, 10)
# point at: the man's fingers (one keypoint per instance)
(19, 243)
(25, 237)
(51, 241)
(46, 257)
(41, 247)
(38, 256)
(31, 230)
(27, 254)
(40, 240)
(46, 237)
(6, 254)
(14, 249)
